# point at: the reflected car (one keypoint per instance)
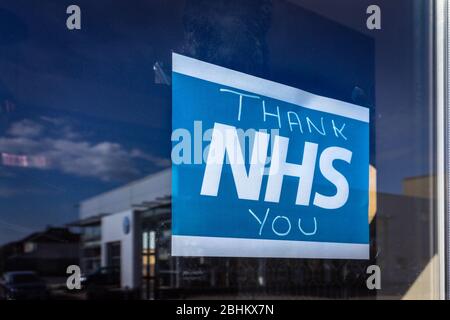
(101, 283)
(23, 285)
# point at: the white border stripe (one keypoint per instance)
(227, 77)
(262, 248)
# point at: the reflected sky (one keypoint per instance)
(80, 112)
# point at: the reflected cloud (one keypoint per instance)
(25, 128)
(52, 143)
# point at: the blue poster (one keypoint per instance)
(262, 169)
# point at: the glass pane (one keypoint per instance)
(86, 109)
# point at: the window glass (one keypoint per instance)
(86, 120)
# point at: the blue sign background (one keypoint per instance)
(228, 216)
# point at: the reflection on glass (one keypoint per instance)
(85, 134)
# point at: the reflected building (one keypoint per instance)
(405, 246)
(116, 228)
(130, 228)
(47, 252)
